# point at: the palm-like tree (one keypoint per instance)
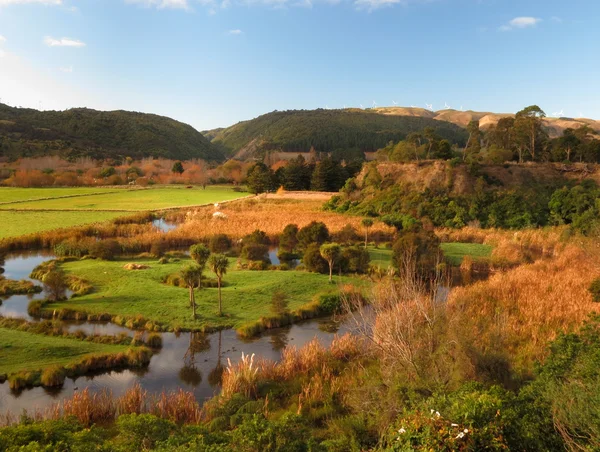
(367, 223)
(218, 263)
(191, 276)
(331, 252)
(200, 254)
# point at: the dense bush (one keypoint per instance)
(288, 240)
(219, 243)
(422, 248)
(313, 261)
(314, 232)
(105, 249)
(255, 252)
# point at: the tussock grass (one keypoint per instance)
(525, 307)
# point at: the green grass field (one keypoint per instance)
(133, 200)
(98, 204)
(15, 224)
(22, 351)
(381, 257)
(455, 252)
(246, 296)
(9, 194)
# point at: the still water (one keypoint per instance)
(190, 361)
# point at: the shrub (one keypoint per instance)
(313, 261)
(158, 248)
(329, 304)
(105, 249)
(154, 340)
(347, 235)
(143, 431)
(314, 232)
(53, 376)
(255, 252)
(355, 260)
(257, 237)
(55, 284)
(219, 243)
(595, 290)
(422, 247)
(288, 238)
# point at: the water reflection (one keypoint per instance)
(189, 361)
(164, 225)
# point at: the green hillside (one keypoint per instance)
(83, 132)
(327, 130)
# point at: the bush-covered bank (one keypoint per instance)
(56, 329)
(10, 287)
(323, 305)
(55, 375)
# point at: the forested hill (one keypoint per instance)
(326, 130)
(98, 134)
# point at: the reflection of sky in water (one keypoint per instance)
(169, 369)
(187, 361)
(163, 225)
(19, 267)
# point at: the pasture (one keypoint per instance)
(30, 210)
(246, 294)
(23, 351)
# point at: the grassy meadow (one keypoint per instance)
(15, 195)
(246, 294)
(23, 351)
(31, 210)
(131, 200)
(456, 251)
(15, 224)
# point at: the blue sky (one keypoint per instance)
(212, 63)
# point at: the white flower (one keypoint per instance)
(454, 425)
(466, 430)
(460, 435)
(437, 414)
(401, 431)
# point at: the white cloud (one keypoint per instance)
(376, 4)
(62, 42)
(161, 4)
(236, 32)
(521, 22)
(23, 2)
(66, 69)
(2, 53)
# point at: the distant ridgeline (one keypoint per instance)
(349, 132)
(89, 133)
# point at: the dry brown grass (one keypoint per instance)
(524, 308)
(510, 247)
(101, 407)
(270, 215)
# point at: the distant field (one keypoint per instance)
(455, 252)
(42, 209)
(15, 224)
(129, 200)
(29, 194)
(381, 257)
(20, 350)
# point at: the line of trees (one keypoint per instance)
(520, 138)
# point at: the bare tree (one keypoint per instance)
(409, 324)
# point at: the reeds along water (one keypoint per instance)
(527, 306)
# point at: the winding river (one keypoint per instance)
(189, 361)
